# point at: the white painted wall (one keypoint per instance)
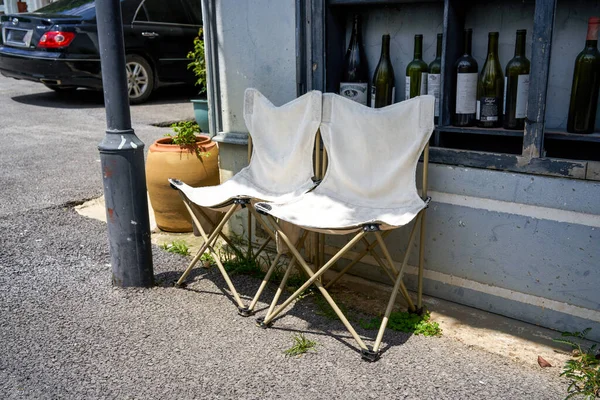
(256, 48)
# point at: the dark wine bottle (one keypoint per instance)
(586, 83)
(433, 78)
(491, 88)
(383, 90)
(466, 68)
(516, 85)
(355, 76)
(416, 72)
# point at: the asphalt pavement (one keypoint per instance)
(66, 333)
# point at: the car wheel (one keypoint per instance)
(62, 89)
(140, 79)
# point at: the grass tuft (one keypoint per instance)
(583, 370)
(300, 346)
(406, 322)
(177, 247)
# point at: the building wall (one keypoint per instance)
(519, 245)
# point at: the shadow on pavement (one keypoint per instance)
(83, 98)
(305, 309)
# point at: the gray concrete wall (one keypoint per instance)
(256, 48)
(523, 246)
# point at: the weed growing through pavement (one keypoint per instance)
(583, 371)
(177, 246)
(406, 322)
(301, 345)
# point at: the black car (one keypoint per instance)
(58, 44)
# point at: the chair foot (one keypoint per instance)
(245, 312)
(417, 311)
(260, 322)
(179, 285)
(369, 355)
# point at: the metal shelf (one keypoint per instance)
(556, 134)
(377, 2)
(480, 131)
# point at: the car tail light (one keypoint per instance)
(56, 39)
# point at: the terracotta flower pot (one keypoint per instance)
(166, 160)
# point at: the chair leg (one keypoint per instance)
(314, 279)
(421, 264)
(207, 240)
(278, 293)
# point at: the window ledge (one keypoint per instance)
(231, 138)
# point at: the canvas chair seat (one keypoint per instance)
(369, 186)
(280, 168)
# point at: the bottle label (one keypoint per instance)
(423, 88)
(355, 91)
(478, 108)
(373, 92)
(488, 109)
(466, 93)
(407, 89)
(505, 89)
(522, 96)
(433, 88)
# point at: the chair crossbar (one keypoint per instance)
(370, 247)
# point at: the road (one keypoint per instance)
(65, 333)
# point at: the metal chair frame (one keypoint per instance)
(396, 275)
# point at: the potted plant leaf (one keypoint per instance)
(186, 155)
(198, 66)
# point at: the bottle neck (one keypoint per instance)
(438, 52)
(493, 44)
(385, 46)
(356, 32)
(418, 47)
(468, 42)
(520, 44)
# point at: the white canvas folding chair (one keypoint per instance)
(280, 168)
(369, 187)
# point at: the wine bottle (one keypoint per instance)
(490, 88)
(433, 78)
(383, 90)
(586, 83)
(466, 68)
(516, 86)
(416, 72)
(355, 76)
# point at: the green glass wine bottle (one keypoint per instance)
(516, 85)
(383, 90)
(466, 67)
(433, 77)
(490, 88)
(416, 72)
(586, 83)
(355, 76)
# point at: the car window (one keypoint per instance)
(83, 8)
(171, 11)
(195, 10)
(141, 14)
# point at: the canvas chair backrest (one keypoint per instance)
(373, 153)
(283, 141)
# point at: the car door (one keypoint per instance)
(167, 31)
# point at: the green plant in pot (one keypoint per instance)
(185, 155)
(198, 66)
